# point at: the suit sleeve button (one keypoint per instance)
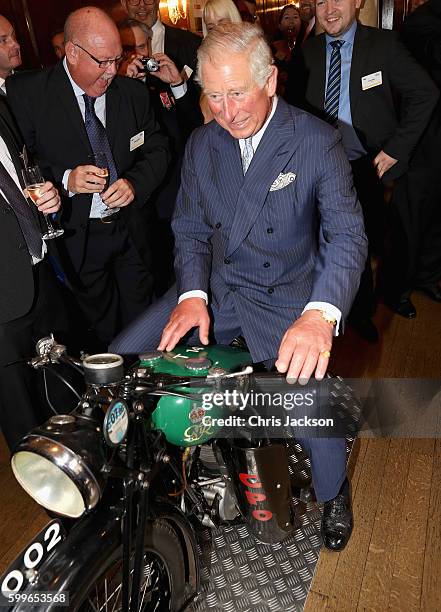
(266, 264)
(227, 261)
(269, 230)
(218, 225)
(271, 290)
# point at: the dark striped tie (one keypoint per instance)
(332, 97)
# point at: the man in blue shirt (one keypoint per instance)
(352, 76)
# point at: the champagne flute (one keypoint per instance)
(100, 161)
(34, 182)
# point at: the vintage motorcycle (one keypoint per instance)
(133, 472)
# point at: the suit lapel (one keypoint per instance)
(360, 52)
(227, 162)
(276, 148)
(112, 111)
(317, 63)
(64, 90)
(9, 136)
(169, 42)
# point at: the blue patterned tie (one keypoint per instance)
(25, 216)
(98, 137)
(332, 97)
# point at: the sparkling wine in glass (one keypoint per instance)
(100, 161)
(34, 182)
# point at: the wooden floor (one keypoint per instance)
(393, 559)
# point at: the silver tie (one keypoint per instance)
(247, 154)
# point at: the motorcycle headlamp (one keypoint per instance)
(60, 463)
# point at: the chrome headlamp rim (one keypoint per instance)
(68, 461)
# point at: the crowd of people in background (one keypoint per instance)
(112, 157)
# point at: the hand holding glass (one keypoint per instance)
(100, 161)
(34, 182)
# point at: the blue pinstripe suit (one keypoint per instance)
(262, 254)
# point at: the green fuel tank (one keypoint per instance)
(181, 419)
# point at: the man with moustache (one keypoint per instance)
(364, 82)
(269, 239)
(176, 105)
(71, 117)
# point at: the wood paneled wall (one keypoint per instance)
(35, 20)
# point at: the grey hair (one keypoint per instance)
(237, 38)
(134, 23)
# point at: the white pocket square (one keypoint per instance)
(283, 180)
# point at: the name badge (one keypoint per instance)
(371, 80)
(137, 141)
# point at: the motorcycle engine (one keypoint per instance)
(216, 489)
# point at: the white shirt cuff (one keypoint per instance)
(64, 182)
(191, 294)
(180, 91)
(331, 311)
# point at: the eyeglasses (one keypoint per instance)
(138, 2)
(102, 63)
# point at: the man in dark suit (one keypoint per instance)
(81, 120)
(175, 99)
(30, 306)
(270, 247)
(377, 76)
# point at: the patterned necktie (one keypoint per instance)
(247, 154)
(332, 97)
(25, 215)
(98, 137)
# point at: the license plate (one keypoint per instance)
(29, 560)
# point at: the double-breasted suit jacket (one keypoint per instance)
(265, 244)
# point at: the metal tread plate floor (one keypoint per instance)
(239, 574)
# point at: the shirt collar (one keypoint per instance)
(158, 26)
(257, 137)
(77, 89)
(348, 36)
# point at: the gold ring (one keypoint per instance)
(326, 354)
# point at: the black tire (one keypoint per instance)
(163, 566)
(92, 548)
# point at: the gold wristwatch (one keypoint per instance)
(328, 318)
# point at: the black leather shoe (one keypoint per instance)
(337, 520)
(432, 291)
(365, 328)
(405, 308)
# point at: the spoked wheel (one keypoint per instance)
(155, 592)
(162, 581)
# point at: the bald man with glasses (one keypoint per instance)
(81, 120)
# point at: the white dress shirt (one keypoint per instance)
(331, 311)
(98, 207)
